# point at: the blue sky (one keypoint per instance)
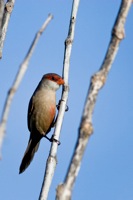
(107, 168)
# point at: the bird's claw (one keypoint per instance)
(52, 139)
(58, 106)
(67, 108)
(55, 140)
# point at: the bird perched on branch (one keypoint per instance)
(41, 114)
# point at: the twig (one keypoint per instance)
(1, 12)
(52, 160)
(5, 21)
(64, 191)
(22, 69)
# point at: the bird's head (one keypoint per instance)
(52, 81)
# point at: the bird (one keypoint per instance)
(41, 114)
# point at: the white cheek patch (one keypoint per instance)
(51, 84)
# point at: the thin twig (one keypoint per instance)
(52, 159)
(22, 69)
(5, 21)
(64, 191)
(1, 12)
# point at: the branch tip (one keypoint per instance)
(50, 15)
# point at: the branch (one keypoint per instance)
(22, 69)
(64, 191)
(5, 21)
(52, 160)
(1, 13)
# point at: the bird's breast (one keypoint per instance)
(43, 112)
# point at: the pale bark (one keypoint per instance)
(5, 21)
(1, 12)
(52, 160)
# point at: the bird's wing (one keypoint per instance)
(51, 126)
(30, 110)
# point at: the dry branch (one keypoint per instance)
(64, 191)
(22, 69)
(52, 160)
(5, 21)
(1, 13)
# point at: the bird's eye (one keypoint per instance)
(53, 78)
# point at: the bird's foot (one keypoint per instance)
(58, 106)
(53, 139)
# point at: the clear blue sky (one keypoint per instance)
(107, 167)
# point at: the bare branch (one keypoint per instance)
(22, 69)
(5, 21)
(1, 12)
(64, 190)
(52, 160)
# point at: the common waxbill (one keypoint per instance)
(41, 114)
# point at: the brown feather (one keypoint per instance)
(32, 147)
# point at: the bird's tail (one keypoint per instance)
(32, 147)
